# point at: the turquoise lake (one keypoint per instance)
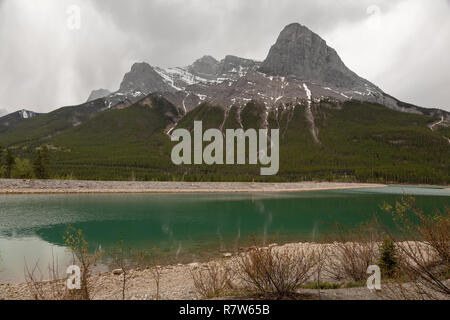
(185, 227)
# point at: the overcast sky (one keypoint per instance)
(402, 46)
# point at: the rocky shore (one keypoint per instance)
(176, 283)
(16, 186)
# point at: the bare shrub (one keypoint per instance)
(120, 260)
(50, 287)
(148, 259)
(275, 271)
(78, 246)
(322, 255)
(353, 251)
(43, 290)
(425, 256)
(155, 271)
(54, 285)
(214, 280)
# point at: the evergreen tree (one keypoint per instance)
(2, 169)
(1, 155)
(41, 162)
(9, 163)
(388, 260)
(22, 169)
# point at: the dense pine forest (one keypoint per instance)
(358, 141)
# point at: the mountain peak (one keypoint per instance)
(207, 58)
(238, 60)
(140, 67)
(19, 114)
(296, 28)
(205, 67)
(301, 53)
(295, 32)
(144, 79)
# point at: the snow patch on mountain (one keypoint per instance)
(25, 114)
(309, 114)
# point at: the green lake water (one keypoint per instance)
(184, 227)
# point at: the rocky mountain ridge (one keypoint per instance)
(299, 66)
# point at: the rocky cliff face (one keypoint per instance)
(205, 67)
(209, 68)
(143, 78)
(181, 86)
(300, 53)
(232, 67)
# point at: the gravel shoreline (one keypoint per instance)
(17, 186)
(176, 283)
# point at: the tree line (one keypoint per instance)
(12, 167)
